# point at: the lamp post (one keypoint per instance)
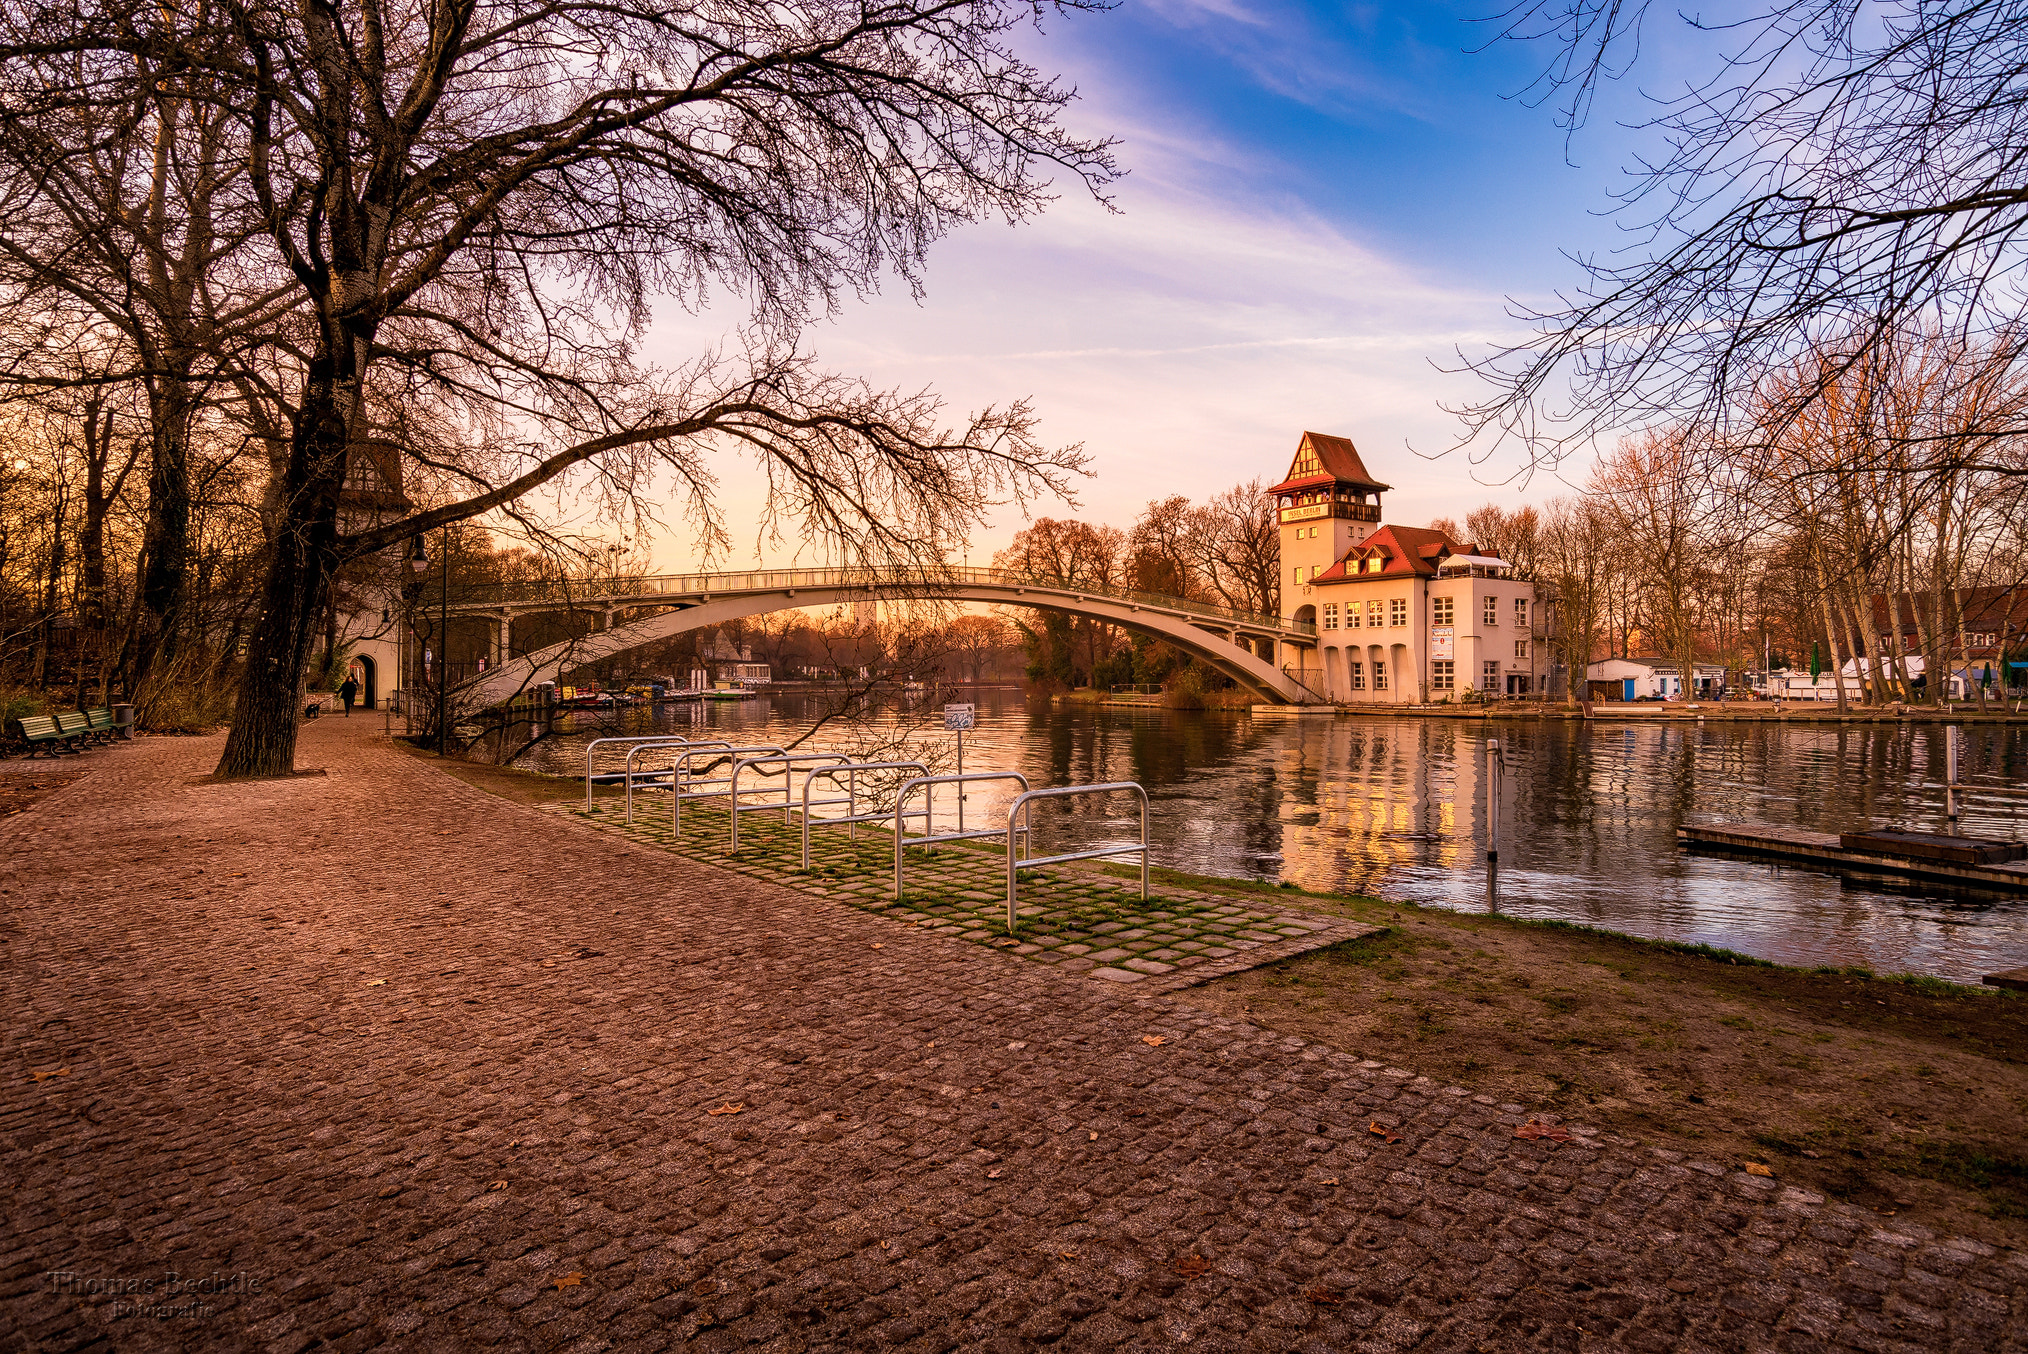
(419, 561)
(444, 658)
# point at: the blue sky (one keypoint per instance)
(1322, 201)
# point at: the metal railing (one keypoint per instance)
(1019, 807)
(852, 816)
(682, 787)
(632, 752)
(788, 761)
(627, 738)
(599, 594)
(928, 784)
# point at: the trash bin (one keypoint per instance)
(123, 720)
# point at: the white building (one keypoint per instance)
(1403, 614)
(1627, 679)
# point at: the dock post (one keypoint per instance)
(1495, 764)
(1950, 773)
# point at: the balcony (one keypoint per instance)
(1314, 512)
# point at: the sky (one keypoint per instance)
(1323, 204)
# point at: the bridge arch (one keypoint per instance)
(1219, 641)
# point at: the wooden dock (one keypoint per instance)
(1823, 848)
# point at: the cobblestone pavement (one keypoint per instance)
(1068, 916)
(380, 1059)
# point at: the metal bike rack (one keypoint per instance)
(788, 762)
(639, 748)
(852, 816)
(928, 783)
(1017, 810)
(680, 770)
(626, 738)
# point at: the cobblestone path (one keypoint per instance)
(386, 1061)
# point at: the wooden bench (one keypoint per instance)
(41, 733)
(75, 727)
(100, 722)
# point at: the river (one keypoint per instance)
(1395, 807)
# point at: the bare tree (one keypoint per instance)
(475, 203)
(1849, 170)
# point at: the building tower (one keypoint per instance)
(1327, 505)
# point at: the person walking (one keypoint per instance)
(348, 692)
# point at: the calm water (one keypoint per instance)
(1396, 807)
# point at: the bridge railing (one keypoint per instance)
(598, 593)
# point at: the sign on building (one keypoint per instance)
(1443, 641)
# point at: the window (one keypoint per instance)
(1441, 674)
(1492, 611)
(1297, 573)
(1521, 650)
(1521, 612)
(1373, 615)
(1379, 675)
(1489, 680)
(1443, 610)
(1351, 615)
(1397, 611)
(1356, 674)
(1375, 564)
(1330, 615)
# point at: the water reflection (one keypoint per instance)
(1396, 807)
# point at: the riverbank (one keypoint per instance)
(1786, 712)
(1901, 1096)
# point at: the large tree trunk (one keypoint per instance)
(302, 559)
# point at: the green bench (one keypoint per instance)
(75, 726)
(42, 734)
(70, 731)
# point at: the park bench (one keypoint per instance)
(100, 721)
(75, 726)
(41, 733)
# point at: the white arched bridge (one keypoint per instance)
(1255, 651)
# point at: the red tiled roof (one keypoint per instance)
(1411, 552)
(1338, 463)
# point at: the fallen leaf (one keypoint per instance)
(447, 832)
(497, 1184)
(1153, 1040)
(1325, 1297)
(931, 1044)
(45, 1076)
(1009, 940)
(1380, 1130)
(574, 1279)
(377, 982)
(1190, 1266)
(728, 1108)
(704, 1288)
(1329, 1181)
(993, 1174)
(1755, 1168)
(878, 946)
(1066, 1255)
(1553, 1132)
(1093, 1138)
(883, 1245)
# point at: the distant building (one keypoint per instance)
(732, 665)
(369, 590)
(1627, 679)
(1991, 633)
(1402, 613)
